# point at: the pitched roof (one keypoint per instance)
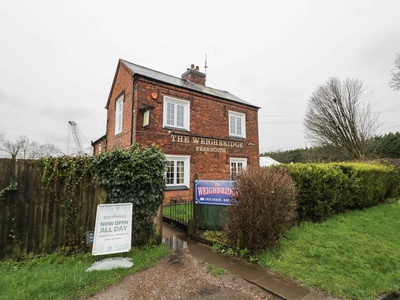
(266, 161)
(143, 71)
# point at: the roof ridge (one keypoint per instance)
(171, 79)
(125, 61)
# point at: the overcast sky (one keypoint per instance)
(58, 58)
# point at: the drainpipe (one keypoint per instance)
(133, 110)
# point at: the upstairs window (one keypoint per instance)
(176, 113)
(237, 124)
(119, 110)
(178, 171)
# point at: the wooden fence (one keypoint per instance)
(33, 221)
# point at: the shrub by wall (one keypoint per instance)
(134, 176)
(326, 189)
(264, 210)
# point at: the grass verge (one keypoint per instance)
(354, 255)
(64, 277)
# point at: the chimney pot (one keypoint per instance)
(194, 75)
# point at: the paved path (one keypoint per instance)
(277, 285)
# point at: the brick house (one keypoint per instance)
(205, 133)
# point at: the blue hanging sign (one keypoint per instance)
(215, 192)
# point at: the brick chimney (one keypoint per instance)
(194, 75)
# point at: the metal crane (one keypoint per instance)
(77, 139)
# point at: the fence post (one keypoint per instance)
(191, 229)
(158, 225)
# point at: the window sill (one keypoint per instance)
(239, 138)
(176, 188)
(176, 129)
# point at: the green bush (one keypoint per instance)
(320, 187)
(134, 176)
(370, 184)
(264, 209)
(326, 189)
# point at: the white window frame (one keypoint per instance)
(119, 113)
(234, 129)
(167, 122)
(186, 177)
(236, 162)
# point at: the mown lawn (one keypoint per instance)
(354, 255)
(64, 277)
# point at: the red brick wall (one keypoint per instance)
(99, 146)
(123, 84)
(208, 119)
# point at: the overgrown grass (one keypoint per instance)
(354, 255)
(215, 236)
(64, 277)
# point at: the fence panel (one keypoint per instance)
(33, 221)
(210, 217)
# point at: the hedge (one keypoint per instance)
(326, 189)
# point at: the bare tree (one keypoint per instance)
(394, 83)
(24, 146)
(339, 115)
(11, 148)
(43, 150)
(26, 149)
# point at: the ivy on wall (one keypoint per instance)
(62, 176)
(134, 176)
(128, 176)
(13, 186)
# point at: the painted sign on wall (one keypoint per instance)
(215, 192)
(206, 144)
(113, 231)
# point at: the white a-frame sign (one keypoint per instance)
(113, 231)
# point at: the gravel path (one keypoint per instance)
(181, 276)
